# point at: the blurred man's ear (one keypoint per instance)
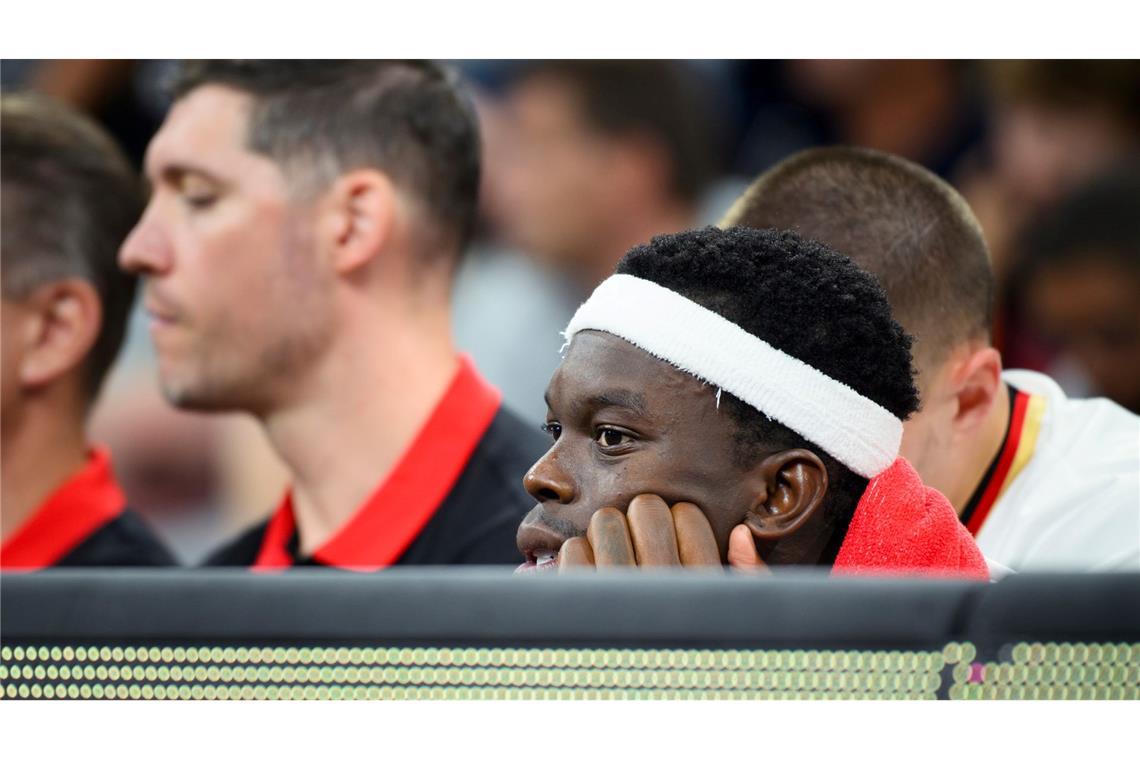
(791, 486)
(975, 384)
(60, 324)
(357, 217)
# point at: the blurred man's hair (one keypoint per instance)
(317, 119)
(661, 100)
(69, 199)
(801, 298)
(897, 221)
(1098, 222)
(1071, 84)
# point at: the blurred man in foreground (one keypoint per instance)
(299, 248)
(1042, 481)
(736, 396)
(69, 199)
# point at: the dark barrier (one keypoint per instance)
(483, 634)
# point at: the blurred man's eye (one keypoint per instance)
(200, 201)
(553, 429)
(196, 191)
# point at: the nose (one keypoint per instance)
(547, 481)
(146, 250)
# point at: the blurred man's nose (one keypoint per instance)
(548, 482)
(146, 250)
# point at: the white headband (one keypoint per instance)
(853, 429)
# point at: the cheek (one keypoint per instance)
(237, 232)
(235, 263)
(716, 491)
(608, 485)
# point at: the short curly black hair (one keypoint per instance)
(804, 299)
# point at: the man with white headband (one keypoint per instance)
(736, 396)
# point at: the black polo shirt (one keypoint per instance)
(85, 523)
(454, 498)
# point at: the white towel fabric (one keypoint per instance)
(853, 429)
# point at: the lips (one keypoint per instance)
(158, 311)
(159, 320)
(539, 545)
(538, 562)
(159, 308)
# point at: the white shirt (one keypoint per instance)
(1075, 505)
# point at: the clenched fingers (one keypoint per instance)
(575, 554)
(609, 537)
(652, 532)
(696, 545)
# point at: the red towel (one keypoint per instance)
(902, 527)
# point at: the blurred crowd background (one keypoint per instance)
(584, 159)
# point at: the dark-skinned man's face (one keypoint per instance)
(625, 423)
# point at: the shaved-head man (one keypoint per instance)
(1042, 481)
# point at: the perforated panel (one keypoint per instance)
(1038, 671)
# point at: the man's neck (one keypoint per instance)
(981, 451)
(40, 452)
(363, 407)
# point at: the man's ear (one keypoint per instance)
(976, 384)
(62, 322)
(794, 484)
(358, 216)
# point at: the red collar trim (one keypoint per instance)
(387, 523)
(1003, 471)
(84, 503)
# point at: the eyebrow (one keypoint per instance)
(172, 172)
(624, 399)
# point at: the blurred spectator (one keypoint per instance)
(605, 155)
(69, 199)
(507, 309)
(125, 96)
(585, 160)
(1055, 124)
(924, 110)
(1079, 281)
(179, 470)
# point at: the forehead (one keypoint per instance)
(205, 128)
(598, 364)
(546, 102)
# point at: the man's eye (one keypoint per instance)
(199, 201)
(196, 192)
(553, 429)
(610, 437)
